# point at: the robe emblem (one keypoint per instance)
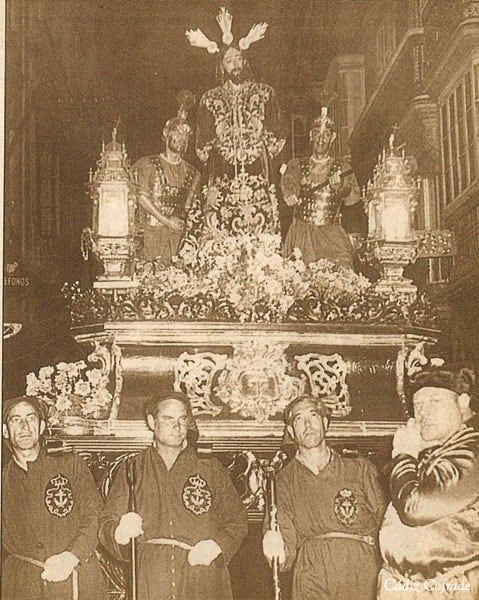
(346, 507)
(196, 495)
(59, 496)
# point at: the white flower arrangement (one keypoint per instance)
(70, 389)
(249, 272)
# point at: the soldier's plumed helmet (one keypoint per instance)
(177, 124)
(323, 122)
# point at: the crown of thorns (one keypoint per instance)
(225, 20)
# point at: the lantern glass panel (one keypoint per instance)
(395, 220)
(113, 210)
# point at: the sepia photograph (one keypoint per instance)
(240, 300)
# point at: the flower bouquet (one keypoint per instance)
(73, 393)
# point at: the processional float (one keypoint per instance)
(242, 330)
(240, 368)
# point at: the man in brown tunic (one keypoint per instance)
(329, 513)
(190, 520)
(50, 509)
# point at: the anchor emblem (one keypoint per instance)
(59, 496)
(197, 495)
(346, 507)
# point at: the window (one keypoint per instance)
(385, 42)
(457, 137)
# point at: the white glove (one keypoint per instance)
(129, 527)
(59, 567)
(273, 546)
(335, 180)
(204, 553)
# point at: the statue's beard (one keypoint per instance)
(236, 76)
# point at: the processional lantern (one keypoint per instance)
(112, 189)
(391, 201)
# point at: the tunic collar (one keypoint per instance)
(171, 162)
(30, 464)
(313, 468)
(186, 453)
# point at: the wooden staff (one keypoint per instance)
(273, 525)
(131, 480)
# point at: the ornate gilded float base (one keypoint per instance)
(246, 374)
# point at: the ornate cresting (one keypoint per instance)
(112, 238)
(391, 199)
(194, 375)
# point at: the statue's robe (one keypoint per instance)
(239, 125)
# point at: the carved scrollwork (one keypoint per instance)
(408, 363)
(101, 354)
(400, 253)
(247, 474)
(115, 353)
(470, 9)
(115, 576)
(107, 479)
(97, 462)
(327, 378)
(416, 360)
(108, 355)
(402, 356)
(194, 375)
